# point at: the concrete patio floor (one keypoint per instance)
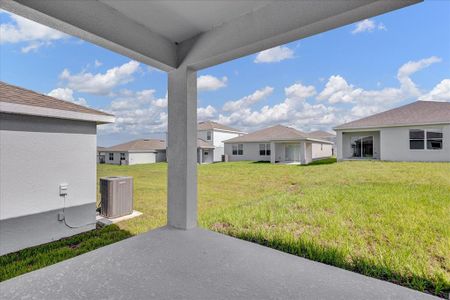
(195, 264)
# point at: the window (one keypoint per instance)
(416, 139)
(237, 149)
(321, 147)
(430, 139)
(362, 146)
(122, 156)
(208, 135)
(264, 149)
(240, 149)
(434, 139)
(111, 156)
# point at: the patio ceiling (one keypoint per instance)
(198, 34)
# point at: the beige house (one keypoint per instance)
(278, 144)
(147, 151)
(419, 131)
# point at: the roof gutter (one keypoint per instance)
(389, 126)
(21, 109)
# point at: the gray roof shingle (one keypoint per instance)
(274, 133)
(210, 125)
(17, 95)
(416, 113)
(148, 145)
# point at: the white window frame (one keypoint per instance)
(425, 138)
(240, 149)
(264, 149)
(111, 156)
(208, 135)
(123, 156)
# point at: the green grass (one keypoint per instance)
(385, 220)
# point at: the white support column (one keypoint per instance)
(182, 149)
(302, 153)
(272, 153)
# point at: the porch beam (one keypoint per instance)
(182, 149)
(100, 24)
(272, 153)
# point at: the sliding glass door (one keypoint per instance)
(362, 146)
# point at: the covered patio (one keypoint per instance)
(181, 260)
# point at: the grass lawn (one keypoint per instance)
(381, 219)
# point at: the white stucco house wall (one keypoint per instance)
(278, 144)
(325, 135)
(419, 131)
(48, 168)
(216, 134)
(147, 151)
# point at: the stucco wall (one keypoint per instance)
(37, 154)
(321, 150)
(251, 152)
(395, 145)
(116, 160)
(344, 148)
(141, 158)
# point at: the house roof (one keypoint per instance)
(148, 145)
(274, 133)
(204, 144)
(210, 125)
(14, 99)
(321, 134)
(141, 145)
(416, 113)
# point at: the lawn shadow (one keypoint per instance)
(319, 162)
(335, 257)
(261, 162)
(33, 258)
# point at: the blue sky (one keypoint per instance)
(314, 83)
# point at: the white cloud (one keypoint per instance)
(441, 92)
(249, 100)
(100, 83)
(367, 102)
(67, 95)
(368, 25)
(210, 83)
(24, 30)
(299, 91)
(137, 113)
(337, 90)
(302, 107)
(205, 113)
(97, 63)
(275, 54)
(294, 110)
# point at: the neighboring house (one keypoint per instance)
(142, 151)
(48, 170)
(277, 144)
(419, 131)
(216, 134)
(325, 135)
(147, 151)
